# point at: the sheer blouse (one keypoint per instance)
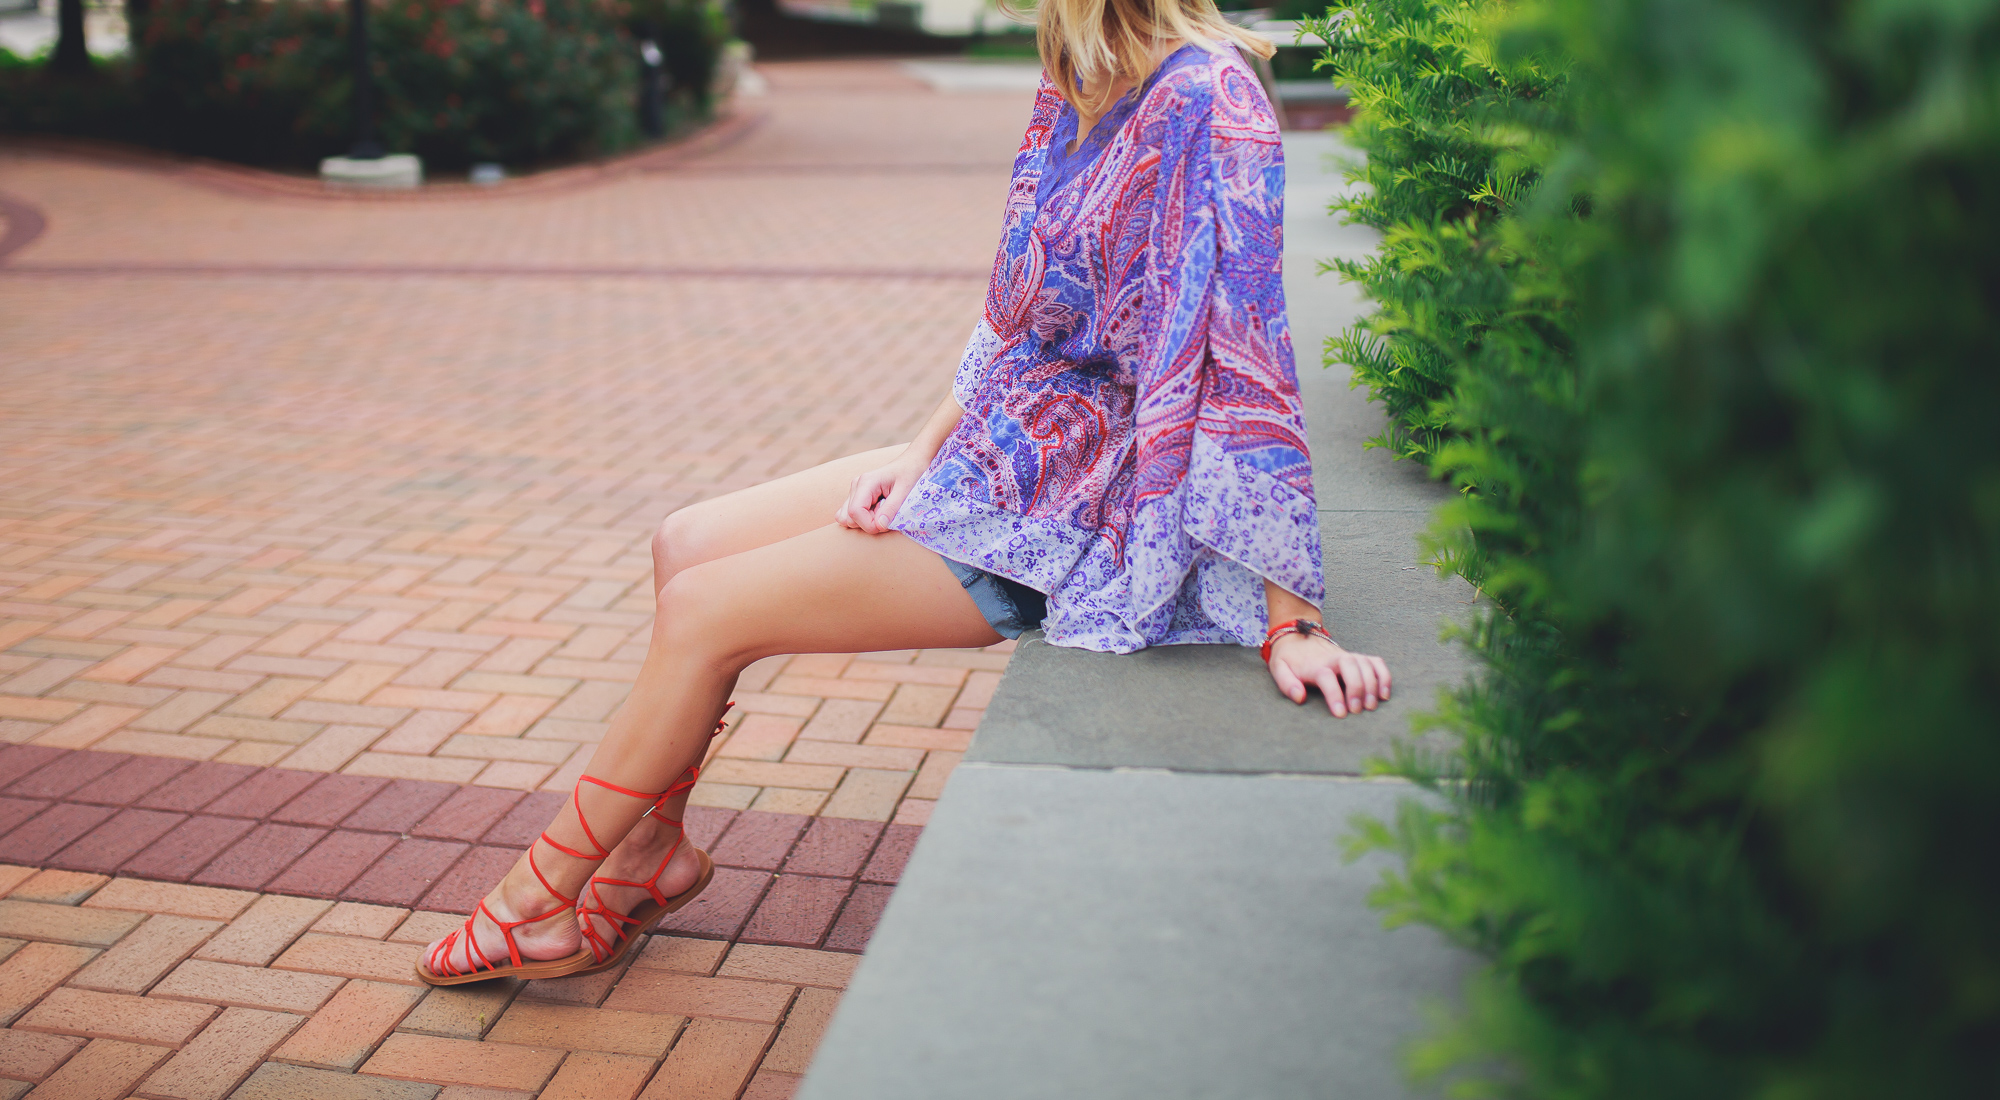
(1133, 443)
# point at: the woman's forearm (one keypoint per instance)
(1282, 607)
(934, 432)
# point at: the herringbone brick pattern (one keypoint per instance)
(116, 987)
(787, 879)
(347, 494)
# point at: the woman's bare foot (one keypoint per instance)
(551, 938)
(634, 860)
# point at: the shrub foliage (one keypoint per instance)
(1442, 117)
(1703, 327)
(457, 81)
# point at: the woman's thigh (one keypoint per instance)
(829, 590)
(760, 515)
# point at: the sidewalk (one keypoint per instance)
(324, 558)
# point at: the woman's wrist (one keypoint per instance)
(1281, 607)
(1301, 627)
(917, 455)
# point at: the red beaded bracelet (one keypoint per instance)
(1296, 626)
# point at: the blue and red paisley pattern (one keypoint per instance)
(1133, 443)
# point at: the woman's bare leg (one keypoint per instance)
(757, 516)
(830, 590)
(702, 532)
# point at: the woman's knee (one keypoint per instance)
(696, 611)
(691, 605)
(678, 544)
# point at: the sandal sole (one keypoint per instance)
(546, 968)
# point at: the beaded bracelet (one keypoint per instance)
(1297, 626)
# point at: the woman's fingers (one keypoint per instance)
(1288, 682)
(892, 503)
(878, 522)
(854, 509)
(1329, 686)
(1351, 682)
(1361, 680)
(861, 501)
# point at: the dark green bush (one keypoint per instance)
(249, 81)
(1716, 381)
(97, 104)
(1441, 116)
(457, 81)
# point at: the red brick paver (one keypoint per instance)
(785, 877)
(324, 560)
(340, 999)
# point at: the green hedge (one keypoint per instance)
(1695, 301)
(1440, 116)
(457, 82)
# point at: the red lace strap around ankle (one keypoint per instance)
(600, 947)
(576, 796)
(693, 774)
(475, 957)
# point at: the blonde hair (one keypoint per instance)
(1097, 42)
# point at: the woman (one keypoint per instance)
(1122, 462)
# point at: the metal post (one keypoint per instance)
(366, 147)
(652, 87)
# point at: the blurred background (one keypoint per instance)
(508, 87)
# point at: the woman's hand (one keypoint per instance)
(874, 497)
(1351, 682)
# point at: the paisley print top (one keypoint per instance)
(1133, 443)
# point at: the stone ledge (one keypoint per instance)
(1126, 934)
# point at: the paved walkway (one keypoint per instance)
(324, 558)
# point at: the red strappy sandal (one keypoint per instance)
(608, 953)
(462, 960)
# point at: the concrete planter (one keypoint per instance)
(399, 171)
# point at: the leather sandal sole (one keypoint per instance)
(650, 911)
(574, 963)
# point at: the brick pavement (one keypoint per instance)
(432, 846)
(118, 986)
(323, 538)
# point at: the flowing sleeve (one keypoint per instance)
(1001, 318)
(979, 352)
(1221, 450)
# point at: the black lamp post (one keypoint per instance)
(652, 86)
(366, 147)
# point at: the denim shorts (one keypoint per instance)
(1009, 606)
